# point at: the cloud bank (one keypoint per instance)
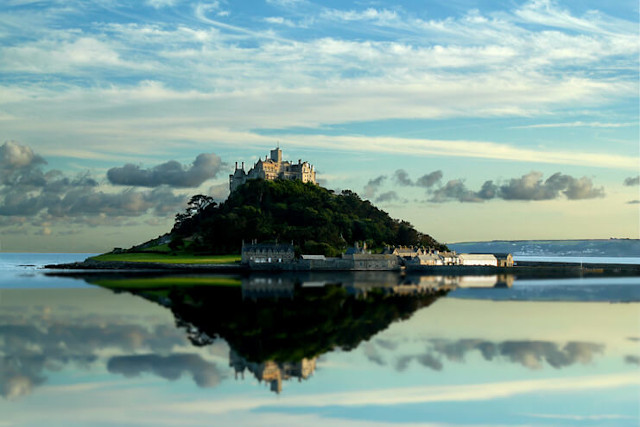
(528, 187)
(171, 173)
(27, 190)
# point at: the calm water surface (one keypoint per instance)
(349, 349)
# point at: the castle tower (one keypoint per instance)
(271, 168)
(276, 155)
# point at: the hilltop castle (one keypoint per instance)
(273, 168)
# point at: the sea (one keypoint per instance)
(350, 349)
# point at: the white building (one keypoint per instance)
(478, 259)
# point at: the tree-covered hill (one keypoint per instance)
(314, 218)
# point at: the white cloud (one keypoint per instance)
(67, 56)
(279, 20)
(166, 115)
(549, 13)
(461, 148)
(379, 17)
(159, 4)
(285, 3)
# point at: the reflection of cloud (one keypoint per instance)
(386, 344)
(531, 354)
(429, 361)
(403, 362)
(632, 359)
(426, 394)
(205, 374)
(527, 353)
(372, 354)
(49, 345)
(426, 360)
(17, 384)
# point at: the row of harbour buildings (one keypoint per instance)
(279, 256)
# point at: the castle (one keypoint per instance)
(273, 168)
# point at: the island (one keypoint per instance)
(278, 218)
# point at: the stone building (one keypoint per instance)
(430, 258)
(267, 253)
(504, 259)
(365, 261)
(272, 168)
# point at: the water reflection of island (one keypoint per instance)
(271, 372)
(83, 331)
(276, 326)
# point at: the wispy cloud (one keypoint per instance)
(576, 417)
(461, 148)
(576, 124)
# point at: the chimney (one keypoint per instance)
(242, 165)
(236, 165)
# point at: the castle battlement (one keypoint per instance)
(272, 168)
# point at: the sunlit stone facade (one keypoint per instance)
(272, 168)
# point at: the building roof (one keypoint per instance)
(429, 256)
(372, 257)
(478, 256)
(495, 254)
(267, 246)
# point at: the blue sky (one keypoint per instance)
(523, 113)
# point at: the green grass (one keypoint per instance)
(158, 248)
(169, 259)
(166, 282)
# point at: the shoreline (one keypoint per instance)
(524, 269)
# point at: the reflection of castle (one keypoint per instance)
(272, 372)
(273, 168)
(452, 282)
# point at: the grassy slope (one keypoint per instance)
(167, 282)
(169, 259)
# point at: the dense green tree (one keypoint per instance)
(314, 218)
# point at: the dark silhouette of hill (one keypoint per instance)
(305, 323)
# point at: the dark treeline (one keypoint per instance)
(314, 218)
